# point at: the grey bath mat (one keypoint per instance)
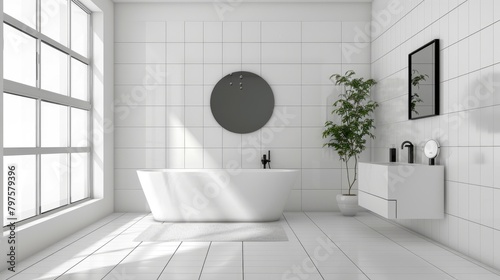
(214, 232)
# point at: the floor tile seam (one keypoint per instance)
(170, 259)
(442, 246)
(303, 248)
(242, 261)
(121, 260)
(347, 256)
(101, 246)
(204, 261)
(420, 257)
(45, 257)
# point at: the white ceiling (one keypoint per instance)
(243, 1)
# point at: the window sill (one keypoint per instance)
(36, 221)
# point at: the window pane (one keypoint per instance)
(25, 174)
(79, 30)
(19, 56)
(19, 121)
(54, 181)
(79, 80)
(79, 128)
(54, 20)
(54, 125)
(79, 176)
(54, 68)
(22, 10)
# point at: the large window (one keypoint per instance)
(46, 104)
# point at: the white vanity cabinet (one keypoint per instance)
(401, 190)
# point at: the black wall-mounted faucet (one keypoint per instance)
(409, 145)
(266, 160)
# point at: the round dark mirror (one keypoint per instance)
(242, 102)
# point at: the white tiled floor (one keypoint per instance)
(321, 246)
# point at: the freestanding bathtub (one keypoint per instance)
(217, 195)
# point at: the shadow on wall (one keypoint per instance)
(390, 93)
(484, 91)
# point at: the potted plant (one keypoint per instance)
(354, 110)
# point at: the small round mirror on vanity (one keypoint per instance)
(242, 102)
(431, 150)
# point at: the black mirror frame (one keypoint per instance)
(436, 79)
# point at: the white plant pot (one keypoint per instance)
(348, 204)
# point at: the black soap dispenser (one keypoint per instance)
(392, 154)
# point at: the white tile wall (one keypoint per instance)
(165, 72)
(282, 31)
(141, 32)
(322, 53)
(467, 128)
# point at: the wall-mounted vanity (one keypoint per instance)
(402, 191)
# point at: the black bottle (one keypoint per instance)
(392, 154)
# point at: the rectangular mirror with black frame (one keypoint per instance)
(423, 81)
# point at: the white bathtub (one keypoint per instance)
(217, 195)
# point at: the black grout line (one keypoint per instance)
(254, 63)
(203, 97)
(242, 261)
(259, 137)
(171, 257)
(301, 95)
(252, 42)
(102, 246)
(469, 184)
(67, 245)
(405, 68)
(399, 20)
(341, 70)
(116, 265)
(445, 114)
(422, 30)
(304, 248)
(345, 254)
(442, 246)
(271, 84)
(206, 257)
(166, 94)
(184, 91)
(396, 225)
(208, 106)
(413, 253)
(305, 168)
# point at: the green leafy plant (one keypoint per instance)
(416, 78)
(354, 109)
